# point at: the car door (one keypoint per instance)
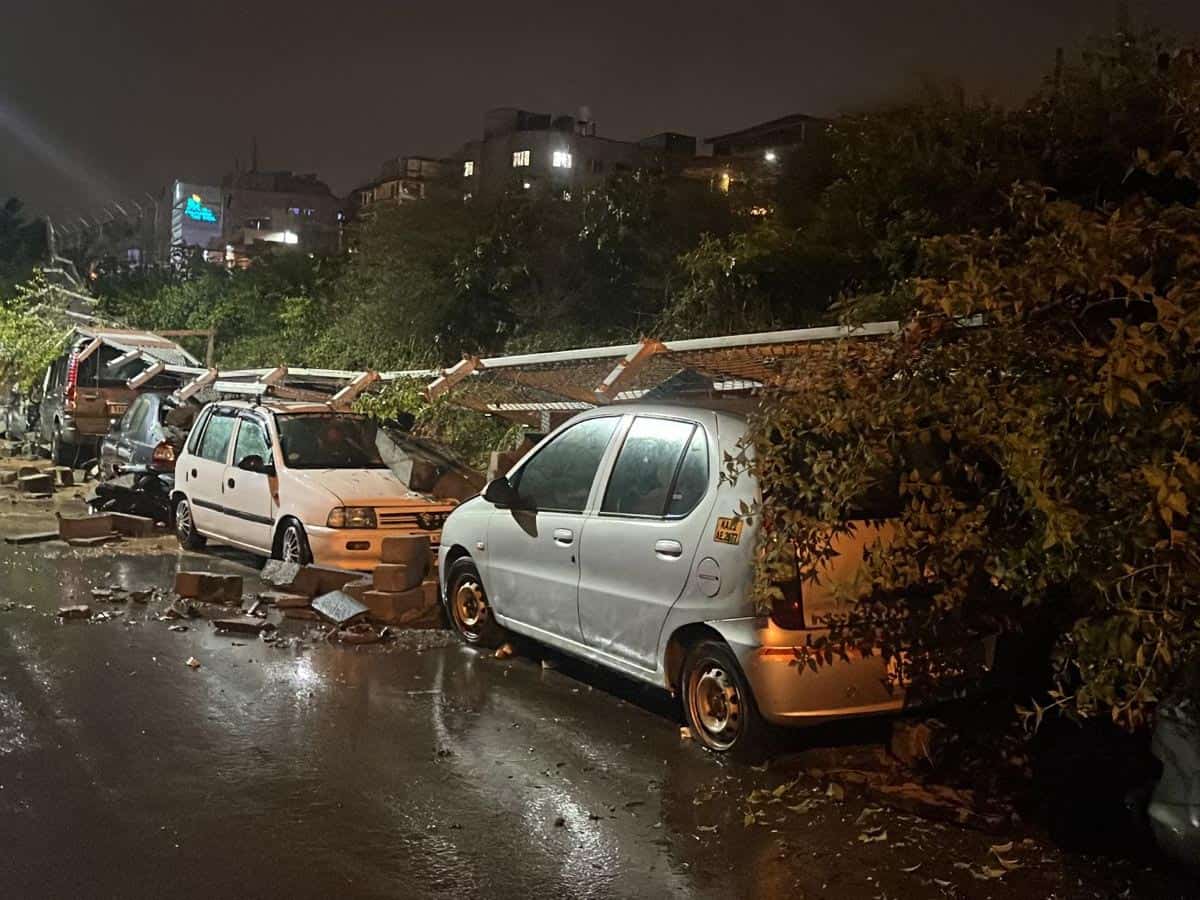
(131, 435)
(532, 548)
(637, 551)
(248, 503)
(205, 472)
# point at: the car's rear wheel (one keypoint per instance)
(62, 453)
(468, 608)
(185, 527)
(293, 544)
(719, 705)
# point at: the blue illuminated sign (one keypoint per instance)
(197, 211)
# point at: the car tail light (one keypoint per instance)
(72, 379)
(163, 456)
(787, 610)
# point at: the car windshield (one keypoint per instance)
(328, 441)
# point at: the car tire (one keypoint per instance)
(467, 606)
(62, 453)
(185, 527)
(718, 703)
(292, 545)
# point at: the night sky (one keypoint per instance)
(104, 99)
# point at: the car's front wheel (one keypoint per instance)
(719, 705)
(292, 545)
(185, 527)
(468, 608)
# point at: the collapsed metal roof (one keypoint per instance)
(138, 344)
(526, 386)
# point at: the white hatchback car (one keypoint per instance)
(617, 540)
(295, 481)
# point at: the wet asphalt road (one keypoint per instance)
(317, 771)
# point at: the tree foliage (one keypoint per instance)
(1035, 427)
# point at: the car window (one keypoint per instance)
(251, 441)
(645, 470)
(131, 413)
(214, 444)
(198, 430)
(140, 407)
(328, 441)
(692, 481)
(559, 478)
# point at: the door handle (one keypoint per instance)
(668, 548)
(231, 483)
(193, 473)
(564, 536)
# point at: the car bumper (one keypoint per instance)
(788, 695)
(357, 549)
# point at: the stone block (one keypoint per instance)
(132, 526)
(207, 587)
(33, 537)
(84, 527)
(8, 476)
(357, 589)
(338, 607)
(64, 476)
(410, 550)
(399, 607)
(396, 577)
(36, 484)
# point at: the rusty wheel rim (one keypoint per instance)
(470, 608)
(715, 703)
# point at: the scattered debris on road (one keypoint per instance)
(192, 663)
(80, 611)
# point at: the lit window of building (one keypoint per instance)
(561, 159)
(520, 158)
(469, 168)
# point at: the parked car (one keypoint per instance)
(1174, 808)
(80, 397)
(294, 481)
(617, 540)
(149, 436)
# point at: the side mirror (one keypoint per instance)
(500, 492)
(255, 463)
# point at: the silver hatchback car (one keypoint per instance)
(617, 539)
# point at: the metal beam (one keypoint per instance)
(346, 395)
(452, 376)
(194, 386)
(91, 348)
(125, 358)
(146, 374)
(627, 368)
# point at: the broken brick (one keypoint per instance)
(208, 587)
(411, 550)
(83, 527)
(75, 612)
(396, 577)
(36, 484)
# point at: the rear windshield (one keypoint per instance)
(328, 441)
(95, 372)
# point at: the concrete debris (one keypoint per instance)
(358, 589)
(33, 537)
(410, 550)
(208, 587)
(141, 596)
(283, 575)
(28, 471)
(192, 663)
(41, 485)
(180, 609)
(396, 577)
(177, 628)
(75, 612)
(283, 600)
(298, 612)
(685, 733)
(75, 528)
(64, 476)
(8, 476)
(93, 541)
(360, 634)
(131, 525)
(339, 607)
(920, 743)
(504, 651)
(242, 625)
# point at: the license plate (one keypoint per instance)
(117, 409)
